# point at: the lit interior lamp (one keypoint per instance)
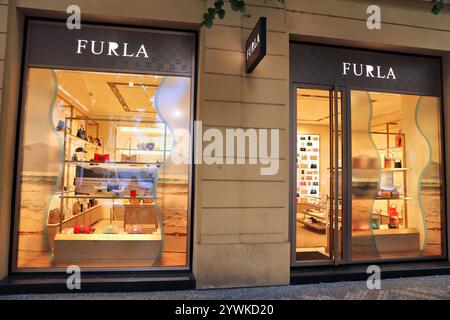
(131, 84)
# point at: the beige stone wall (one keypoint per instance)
(242, 217)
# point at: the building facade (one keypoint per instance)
(361, 116)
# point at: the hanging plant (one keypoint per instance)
(218, 10)
(438, 6)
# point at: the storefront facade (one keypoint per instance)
(356, 98)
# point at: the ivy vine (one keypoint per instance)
(218, 10)
(438, 6)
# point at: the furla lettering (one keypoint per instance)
(255, 44)
(368, 71)
(110, 48)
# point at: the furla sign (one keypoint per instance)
(110, 49)
(255, 48)
(368, 71)
(364, 69)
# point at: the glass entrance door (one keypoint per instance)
(318, 176)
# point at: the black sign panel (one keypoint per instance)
(363, 69)
(255, 48)
(105, 48)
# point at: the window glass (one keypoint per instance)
(99, 186)
(397, 181)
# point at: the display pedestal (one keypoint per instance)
(80, 248)
(388, 240)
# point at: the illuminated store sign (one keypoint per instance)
(255, 49)
(110, 49)
(368, 71)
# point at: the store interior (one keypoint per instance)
(99, 185)
(396, 184)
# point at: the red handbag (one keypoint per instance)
(98, 157)
(393, 211)
(82, 229)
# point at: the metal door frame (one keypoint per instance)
(346, 168)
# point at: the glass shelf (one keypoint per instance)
(395, 169)
(70, 136)
(93, 163)
(107, 197)
(401, 198)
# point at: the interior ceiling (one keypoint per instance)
(313, 107)
(110, 93)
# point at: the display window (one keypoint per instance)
(98, 186)
(368, 171)
(397, 180)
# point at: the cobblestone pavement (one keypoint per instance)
(423, 288)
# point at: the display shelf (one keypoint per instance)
(391, 148)
(308, 165)
(72, 137)
(393, 179)
(401, 198)
(384, 215)
(107, 197)
(141, 150)
(111, 163)
(395, 169)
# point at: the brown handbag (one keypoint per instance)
(135, 228)
(76, 208)
(128, 157)
(389, 162)
(54, 216)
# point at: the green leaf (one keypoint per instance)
(221, 13)
(438, 7)
(219, 4)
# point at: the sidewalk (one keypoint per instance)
(423, 288)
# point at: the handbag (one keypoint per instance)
(128, 157)
(76, 208)
(83, 229)
(394, 220)
(98, 157)
(97, 142)
(81, 133)
(67, 212)
(399, 140)
(389, 162)
(146, 146)
(61, 126)
(54, 216)
(135, 228)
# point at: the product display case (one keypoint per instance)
(108, 194)
(308, 165)
(386, 197)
